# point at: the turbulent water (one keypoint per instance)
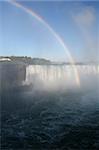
(55, 76)
(50, 112)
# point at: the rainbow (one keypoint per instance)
(59, 39)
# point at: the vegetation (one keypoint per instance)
(27, 60)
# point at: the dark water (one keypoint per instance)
(42, 120)
(58, 118)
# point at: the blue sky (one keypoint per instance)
(76, 22)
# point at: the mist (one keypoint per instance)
(62, 77)
(43, 105)
(85, 19)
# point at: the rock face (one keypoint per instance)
(11, 74)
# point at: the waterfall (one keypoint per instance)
(58, 74)
(49, 73)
